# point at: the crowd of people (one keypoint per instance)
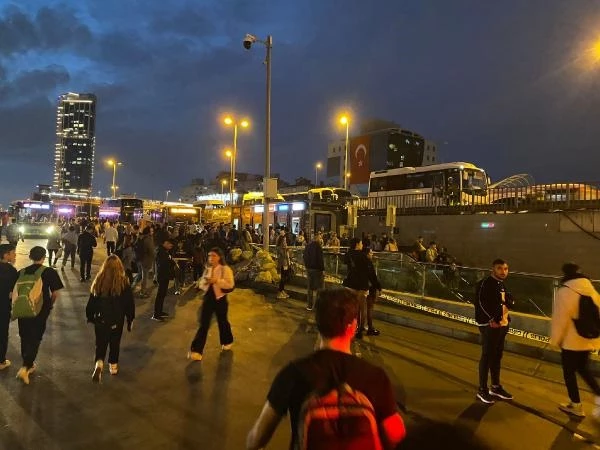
(331, 378)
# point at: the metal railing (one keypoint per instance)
(546, 197)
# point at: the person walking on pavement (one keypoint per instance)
(217, 280)
(110, 303)
(492, 305)
(13, 234)
(8, 278)
(575, 349)
(357, 279)
(69, 239)
(332, 366)
(315, 268)
(31, 330)
(374, 292)
(284, 263)
(111, 235)
(53, 245)
(85, 249)
(164, 273)
(144, 257)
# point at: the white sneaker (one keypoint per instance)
(5, 364)
(286, 294)
(23, 375)
(226, 347)
(113, 369)
(194, 356)
(281, 295)
(574, 409)
(97, 374)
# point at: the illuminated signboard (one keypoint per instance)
(36, 205)
(298, 206)
(182, 211)
(283, 207)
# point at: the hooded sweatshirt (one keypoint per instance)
(566, 308)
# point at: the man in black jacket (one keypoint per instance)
(313, 261)
(492, 303)
(85, 249)
(8, 278)
(358, 279)
(164, 273)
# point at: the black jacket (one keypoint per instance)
(313, 256)
(8, 278)
(488, 301)
(111, 310)
(164, 264)
(86, 243)
(358, 270)
(375, 285)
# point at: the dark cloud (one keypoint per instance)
(189, 22)
(33, 83)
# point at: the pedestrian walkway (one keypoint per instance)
(159, 400)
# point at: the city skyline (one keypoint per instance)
(510, 87)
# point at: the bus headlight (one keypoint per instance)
(21, 229)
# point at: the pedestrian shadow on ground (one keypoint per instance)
(189, 294)
(301, 342)
(565, 438)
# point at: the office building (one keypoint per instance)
(75, 144)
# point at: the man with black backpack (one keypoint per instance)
(332, 396)
(576, 330)
(32, 326)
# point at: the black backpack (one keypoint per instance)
(588, 323)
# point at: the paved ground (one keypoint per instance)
(161, 401)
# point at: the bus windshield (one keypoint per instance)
(474, 180)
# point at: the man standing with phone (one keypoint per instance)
(492, 304)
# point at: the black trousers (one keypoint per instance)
(285, 274)
(85, 267)
(108, 337)
(110, 247)
(371, 298)
(492, 347)
(69, 251)
(161, 293)
(52, 251)
(4, 324)
(573, 363)
(31, 332)
(198, 270)
(212, 306)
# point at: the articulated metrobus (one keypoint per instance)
(457, 183)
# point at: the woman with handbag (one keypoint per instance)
(216, 282)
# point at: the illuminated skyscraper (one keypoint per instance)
(75, 144)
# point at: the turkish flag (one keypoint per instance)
(360, 168)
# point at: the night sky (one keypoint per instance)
(509, 85)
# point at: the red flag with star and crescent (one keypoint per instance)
(359, 159)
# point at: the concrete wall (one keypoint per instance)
(530, 242)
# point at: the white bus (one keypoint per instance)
(457, 183)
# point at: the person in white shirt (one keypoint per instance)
(110, 237)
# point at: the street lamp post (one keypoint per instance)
(317, 168)
(114, 163)
(229, 154)
(167, 195)
(223, 183)
(268, 43)
(244, 124)
(344, 120)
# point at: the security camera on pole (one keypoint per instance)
(269, 185)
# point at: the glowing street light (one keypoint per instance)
(229, 154)
(317, 168)
(223, 183)
(230, 121)
(167, 192)
(345, 120)
(114, 163)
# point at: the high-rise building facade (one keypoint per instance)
(75, 144)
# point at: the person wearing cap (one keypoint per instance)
(164, 273)
(31, 330)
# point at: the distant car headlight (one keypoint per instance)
(50, 230)
(21, 229)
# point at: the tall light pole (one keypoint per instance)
(223, 183)
(229, 154)
(167, 195)
(114, 163)
(268, 43)
(345, 120)
(317, 168)
(229, 121)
